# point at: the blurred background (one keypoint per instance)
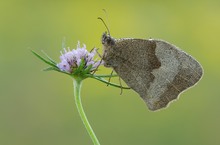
(37, 108)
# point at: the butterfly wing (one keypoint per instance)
(156, 70)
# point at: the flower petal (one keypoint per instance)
(72, 58)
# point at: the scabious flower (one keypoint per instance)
(78, 63)
(72, 59)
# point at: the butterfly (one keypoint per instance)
(157, 70)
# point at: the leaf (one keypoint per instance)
(82, 64)
(43, 59)
(88, 69)
(55, 69)
(80, 68)
(51, 68)
(49, 58)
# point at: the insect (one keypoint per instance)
(157, 70)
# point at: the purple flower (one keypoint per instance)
(71, 59)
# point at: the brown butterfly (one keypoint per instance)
(157, 70)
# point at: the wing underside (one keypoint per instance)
(158, 71)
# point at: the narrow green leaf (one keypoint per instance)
(80, 68)
(43, 59)
(76, 70)
(88, 69)
(82, 64)
(49, 58)
(51, 68)
(55, 69)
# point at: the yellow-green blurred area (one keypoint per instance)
(37, 108)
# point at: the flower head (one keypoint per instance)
(73, 59)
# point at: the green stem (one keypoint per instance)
(77, 87)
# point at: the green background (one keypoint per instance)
(37, 108)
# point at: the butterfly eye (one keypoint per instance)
(110, 41)
(107, 40)
(104, 38)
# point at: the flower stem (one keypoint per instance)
(77, 87)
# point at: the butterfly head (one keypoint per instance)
(107, 40)
(109, 45)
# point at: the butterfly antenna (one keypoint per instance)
(107, 18)
(104, 24)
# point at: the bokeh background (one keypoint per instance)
(37, 108)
